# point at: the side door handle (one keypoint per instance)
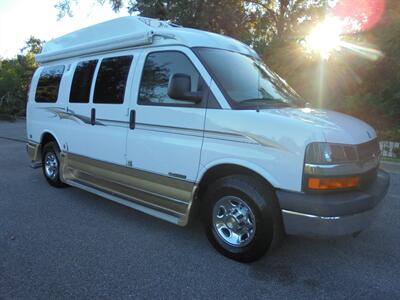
(93, 116)
(132, 119)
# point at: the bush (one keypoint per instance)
(396, 151)
(390, 134)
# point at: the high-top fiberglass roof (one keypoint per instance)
(135, 31)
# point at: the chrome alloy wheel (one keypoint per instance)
(234, 221)
(51, 165)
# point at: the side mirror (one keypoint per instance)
(180, 88)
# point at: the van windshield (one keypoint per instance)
(247, 81)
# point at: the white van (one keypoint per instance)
(166, 119)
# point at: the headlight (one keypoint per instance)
(331, 166)
(326, 153)
(328, 166)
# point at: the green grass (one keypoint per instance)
(389, 159)
(7, 117)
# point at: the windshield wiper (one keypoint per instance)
(270, 101)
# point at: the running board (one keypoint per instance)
(36, 164)
(147, 210)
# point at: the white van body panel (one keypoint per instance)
(275, 140)
(341, 128)
(266, 139)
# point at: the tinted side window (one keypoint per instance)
(111, 80)
(49, 84)
(82, 82)
(158, 69)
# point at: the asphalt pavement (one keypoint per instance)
(67, 243)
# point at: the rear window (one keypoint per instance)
(49, 84)
(82, 82)
(111, 80)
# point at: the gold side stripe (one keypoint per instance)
(144, 209)
(167, 195)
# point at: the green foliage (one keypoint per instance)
(15, 76)
(396, 151)
(224, 16)
(373, 91)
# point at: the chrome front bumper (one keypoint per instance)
(332, 215)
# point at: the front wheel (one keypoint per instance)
(51, 164)
(242, 217)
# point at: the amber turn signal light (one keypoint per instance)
(333, 183)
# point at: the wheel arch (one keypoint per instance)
(271, 216)
(46, 137)
(225, 168)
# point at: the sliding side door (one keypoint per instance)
(99, 122)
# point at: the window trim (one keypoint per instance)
(59, 84)
(96, 74)
(212, 74)
(204, 100)
(92, 82)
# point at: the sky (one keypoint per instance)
(19, 19)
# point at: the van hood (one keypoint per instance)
(335, 126)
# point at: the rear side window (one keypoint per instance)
(49, 84)
(82, 82)
(111, 80)
(157, 71)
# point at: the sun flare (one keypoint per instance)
(325, 37)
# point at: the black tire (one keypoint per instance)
(261, 200)
(51, 149)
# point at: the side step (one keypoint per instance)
(36, 164)
(135, 205)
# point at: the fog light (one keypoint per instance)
(333, 183)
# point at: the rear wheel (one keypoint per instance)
(51, 164)
(242, 217)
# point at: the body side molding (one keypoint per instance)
(162, 196)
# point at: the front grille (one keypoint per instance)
(368, 150)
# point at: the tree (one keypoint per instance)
(15, 76)
(229, 17)
(280, 19)
(375, 95)
(222, 16)
(64, 7)
(33, 45)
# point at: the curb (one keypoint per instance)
(391, 167)
(392, 163)
(13, 139)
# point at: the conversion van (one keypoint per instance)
(172, 121)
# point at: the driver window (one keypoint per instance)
(157, 71)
